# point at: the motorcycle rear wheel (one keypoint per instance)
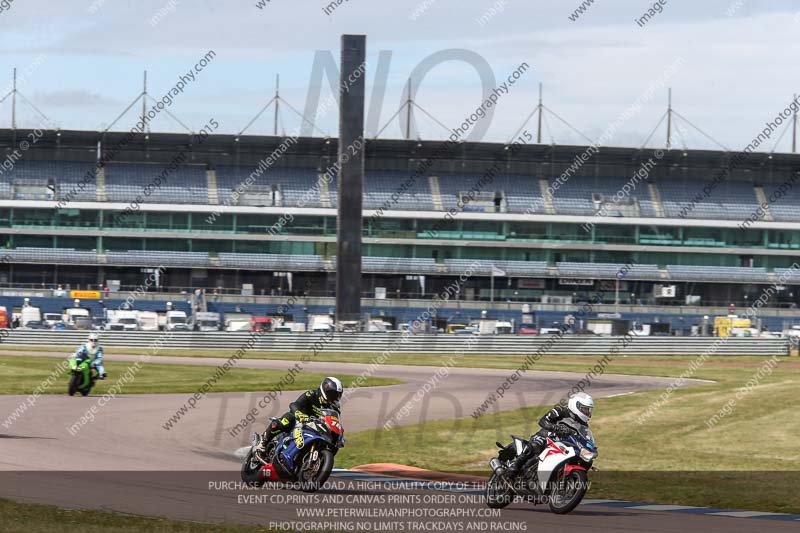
(576, 483)
(498, 495)
(313, 481)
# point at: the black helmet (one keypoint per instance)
(331, 390)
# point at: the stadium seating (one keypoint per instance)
(786, 204)
(717, 273)
(574, 196)
(380, 185)
(729, 200)
(483, 267)
(299, 186)
(153, 258)
(398, 265)
(185, 185)
(788, 275)
(568, 269)
(29, 254)
(519, 192)
(64, 176)
(272, 261)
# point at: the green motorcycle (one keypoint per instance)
(81, 377)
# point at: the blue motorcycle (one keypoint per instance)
(304, 455)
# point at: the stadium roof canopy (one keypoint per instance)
(317, 151)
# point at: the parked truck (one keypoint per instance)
(123, 320)
(29, 314)
(490, 326)
(261, 323)
(148, 321)
(238, 321)
(77, 317)
(320, 323)
(206, 321)
(50, 319)
(176, 321)
(290, 327)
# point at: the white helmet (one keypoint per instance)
(92, 337)
(581, 405)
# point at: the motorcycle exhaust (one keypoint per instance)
(497, 467)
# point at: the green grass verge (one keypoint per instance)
(35, 518)
(672, 457)
(564, 363)
(22, 375)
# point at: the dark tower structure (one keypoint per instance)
(351, 179)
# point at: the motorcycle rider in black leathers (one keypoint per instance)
(327, 396)
(579, 408)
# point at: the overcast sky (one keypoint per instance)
(83, 62)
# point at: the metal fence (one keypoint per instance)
(400, 343)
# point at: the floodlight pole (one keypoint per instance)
(14, 102)
(539, 129)
(669, 118)
(144, 99)
(794, 129)
(408, 111)
(277, 103)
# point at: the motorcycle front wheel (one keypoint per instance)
(314, 473)
(251, 470)
(74, 382)
(569, 491)
(498, 494)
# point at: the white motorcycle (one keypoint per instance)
(559, 479)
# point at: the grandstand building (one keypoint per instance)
(87, 208)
